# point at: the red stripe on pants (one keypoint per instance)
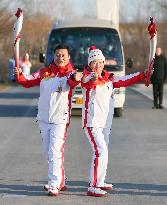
(62, 150)
(96, 156)
(86, 108)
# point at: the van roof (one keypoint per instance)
(83, 23)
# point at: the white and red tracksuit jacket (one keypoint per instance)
(98, 96)
(56, 85)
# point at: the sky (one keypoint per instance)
(129, 9)
(132, 9)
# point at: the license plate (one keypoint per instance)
(79, 101)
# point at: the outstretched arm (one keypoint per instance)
(128, 80)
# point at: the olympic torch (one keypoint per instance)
(153, 44)
(16, 30)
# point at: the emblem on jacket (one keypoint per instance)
(60, 84)
(59, 89)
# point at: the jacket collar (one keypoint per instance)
(100, 81)
(61, 71)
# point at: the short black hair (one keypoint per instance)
(62, 46)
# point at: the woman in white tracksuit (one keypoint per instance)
(97, 114)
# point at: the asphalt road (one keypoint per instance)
(137, 156)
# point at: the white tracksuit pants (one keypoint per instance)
(99, 140)
(54, 137)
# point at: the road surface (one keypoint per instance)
(137, 155)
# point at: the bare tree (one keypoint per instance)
(6, 19)
(135, 35)
(36, 25)
(35, 32)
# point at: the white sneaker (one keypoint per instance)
(96, 192)
(53, 191)
(46, 187)
(107, 187)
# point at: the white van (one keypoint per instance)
(81, 34)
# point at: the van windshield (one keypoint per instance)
(80, 39)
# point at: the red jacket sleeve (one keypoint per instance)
(27, 83)
(87, 83)
(71, 81)
(128, 80)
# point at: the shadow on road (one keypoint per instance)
(27, 190)
(81, 186)
(140, 189)
(18, 111)
(77, 186)
(30, 190)
(20, 95)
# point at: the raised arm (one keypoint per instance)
(27, 83)
(128, 80)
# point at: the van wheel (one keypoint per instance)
(118, 112)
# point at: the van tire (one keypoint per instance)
(118, 112)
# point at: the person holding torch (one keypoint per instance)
(97, 114)
(54, 106)
(98, 108)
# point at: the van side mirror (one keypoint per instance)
(42, 57)
(129, 62)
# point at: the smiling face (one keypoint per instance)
(61, 57)
(97, 66)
